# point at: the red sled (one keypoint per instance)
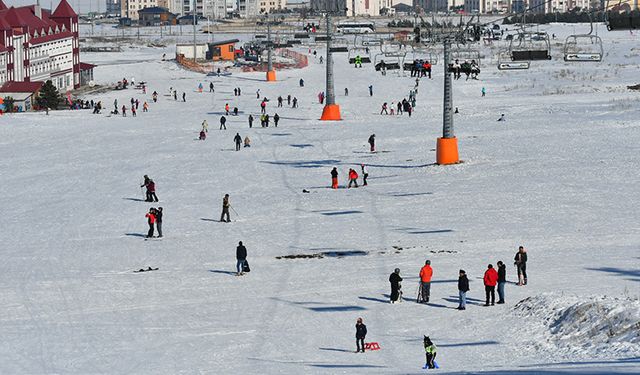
(371, 346)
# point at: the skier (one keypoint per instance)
(235, 91)
(223, 122)
(334, 178)
(238, 140)
(258, 94)
(239, 91)
(361, 333)
(225, 209)
(200, 87)
(151, 220)
(463, 288)
(353, 178)
(502, 118)
(490, 279)
(430, 351)
(205, 126)
(159, 221)
(395, 280)
(203, 135)
(276, 118)
(295, 103)
(346, 91)
(399, 106)
(263, 107)
(211, 87)
(426, 273)
(370, 90)
(175, 95)
(484, 92)
(289, 99)
(365, 174)
(115, 103)
(124, 111)
(358, 62)
(151, 189)
(301, 82)
(155, 97)
(321, 60)
(521, 263)
(502, 279)
(241, 258)
(184, 96)
(133, 111)
(384, 109)
(372, 142)
(235, 111)
(145, 107)
(280, 101)
(226, 109)
(250, 121)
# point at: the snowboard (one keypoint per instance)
(435, 364)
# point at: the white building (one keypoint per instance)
(363, 8)
(268, 6)
(130, 8)
(37, 45)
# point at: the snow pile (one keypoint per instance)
(572, 326)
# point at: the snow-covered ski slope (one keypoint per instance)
(559, 177)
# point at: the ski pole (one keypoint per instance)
(234, 211)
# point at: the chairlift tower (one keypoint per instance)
(271, 73)
(447, 145)
(331, 110)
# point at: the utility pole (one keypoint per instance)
(195, 48)
(331, 111)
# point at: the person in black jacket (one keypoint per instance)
(238, 140)
(241, 257)
(463, 288)
(159, 221)
(361, 333)
(502, 279)
(520, 261)
(395, 280)
(276, 118)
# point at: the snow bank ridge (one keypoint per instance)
(594, 327)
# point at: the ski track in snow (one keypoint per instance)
(557, 176)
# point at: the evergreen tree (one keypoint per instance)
(9, 102)
(49, 96)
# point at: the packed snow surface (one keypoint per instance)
(559, 177)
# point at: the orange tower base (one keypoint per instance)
(331, 112)
(447, 151)
(271, 75)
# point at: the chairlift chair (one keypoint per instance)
(583, 47)
(359, 51)
(505, 62)
(464, 54)
(425, 53)
(530, 46)
(619, 15)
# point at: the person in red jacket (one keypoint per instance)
(151, 220)
(490, 281)
(353, 178)
(426, 273)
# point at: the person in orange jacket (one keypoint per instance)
(425, 282)
(226, 108)
(353, 178)
(490, 281)
(151, 220)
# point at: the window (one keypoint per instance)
(231, 49)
